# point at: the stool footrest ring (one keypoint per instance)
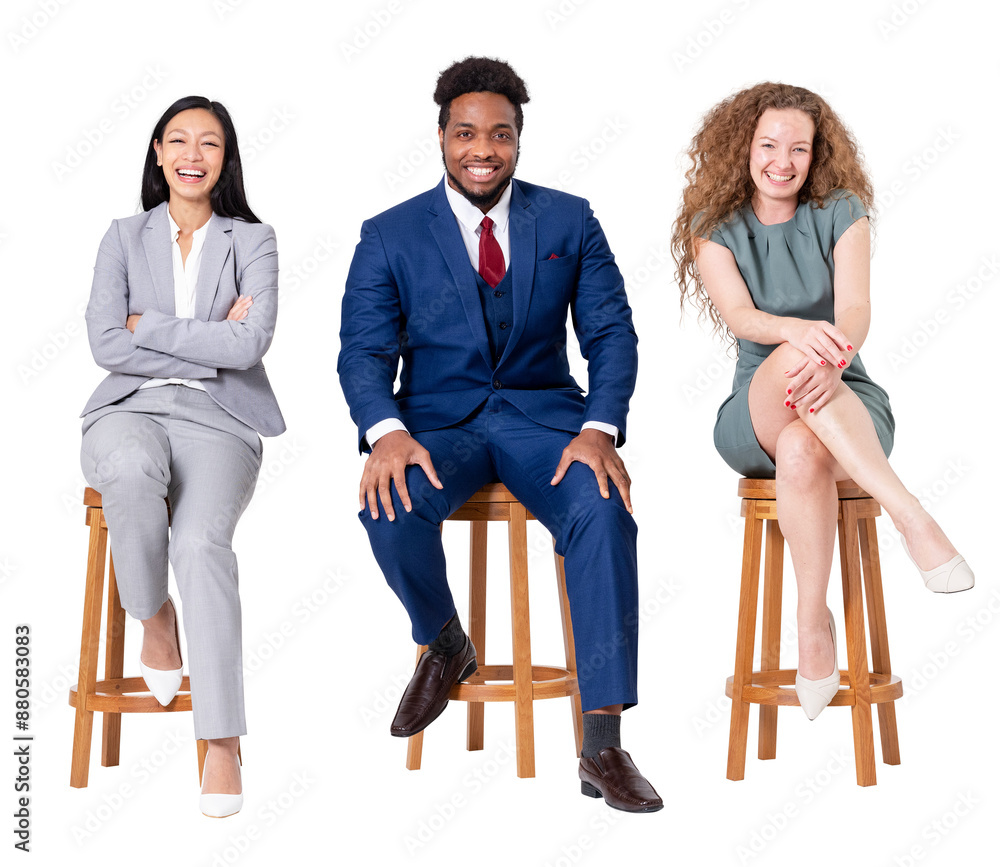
(117, 696)
(548, 681)
(778, 688)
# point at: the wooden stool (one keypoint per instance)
(111, 695)
(527, 682)
(772, 685)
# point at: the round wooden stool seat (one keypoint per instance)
(115, 694)
(519, 682)
(772, 686)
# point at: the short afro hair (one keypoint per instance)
(479, 75)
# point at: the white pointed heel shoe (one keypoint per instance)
(164, 684)
(953, 577)
(219, 806)
(814, 695)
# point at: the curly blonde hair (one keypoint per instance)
(719, 181)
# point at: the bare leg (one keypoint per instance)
(846, 429)
(812, 451)
(159, 643)
(806, 485)
(222, 769)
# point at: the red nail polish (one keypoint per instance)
(788, 403)
(793, 406)
(849, 347)
(811, 409)
(822, 361)
(788, 392)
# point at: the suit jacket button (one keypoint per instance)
(503, 325)
(497, 383)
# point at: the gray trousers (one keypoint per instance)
(174, 441)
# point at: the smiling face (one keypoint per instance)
(780, 155)
(192, 154)
(479, 145)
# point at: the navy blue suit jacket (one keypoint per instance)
(412, 295)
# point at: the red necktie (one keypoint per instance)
(491, 264)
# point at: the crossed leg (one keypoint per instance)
(812, 452)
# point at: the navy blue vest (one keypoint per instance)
(498, 312)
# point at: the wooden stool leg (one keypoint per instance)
(89, 644)
(521, 639)
(770, 654)
(857, 651)
(745, 636)
(567, 627)
(879, 636)
(415, 743)
(114, 662)
(477, 626)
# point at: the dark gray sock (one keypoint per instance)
(600, 730)
(450, 639)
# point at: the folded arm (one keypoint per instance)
(107, 313)
(236, 344)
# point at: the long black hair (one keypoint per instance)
(228, 197)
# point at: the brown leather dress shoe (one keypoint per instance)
(612, 774)
(426, 695)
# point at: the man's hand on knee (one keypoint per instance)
(390, 457)
(596, 449)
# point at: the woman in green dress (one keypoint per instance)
(772, 244)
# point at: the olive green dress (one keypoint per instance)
(788, 268)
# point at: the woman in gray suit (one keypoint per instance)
(181, 312)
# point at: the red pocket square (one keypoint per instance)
(553, 256)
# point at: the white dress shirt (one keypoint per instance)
(469, 219)
(185, 284)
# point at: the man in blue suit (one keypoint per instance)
(470, 284)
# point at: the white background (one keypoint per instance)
(337, 125)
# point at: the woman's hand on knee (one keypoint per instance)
(811, 385)
(819, 341)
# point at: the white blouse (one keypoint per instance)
(185, 284)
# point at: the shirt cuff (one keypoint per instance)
(377, 431)
(598, 425)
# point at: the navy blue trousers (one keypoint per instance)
(597, 537)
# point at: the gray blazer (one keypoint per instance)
(134, 274)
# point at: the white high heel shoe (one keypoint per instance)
(219, 806)
(163, 684)
(814, 695)
(952, 577)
